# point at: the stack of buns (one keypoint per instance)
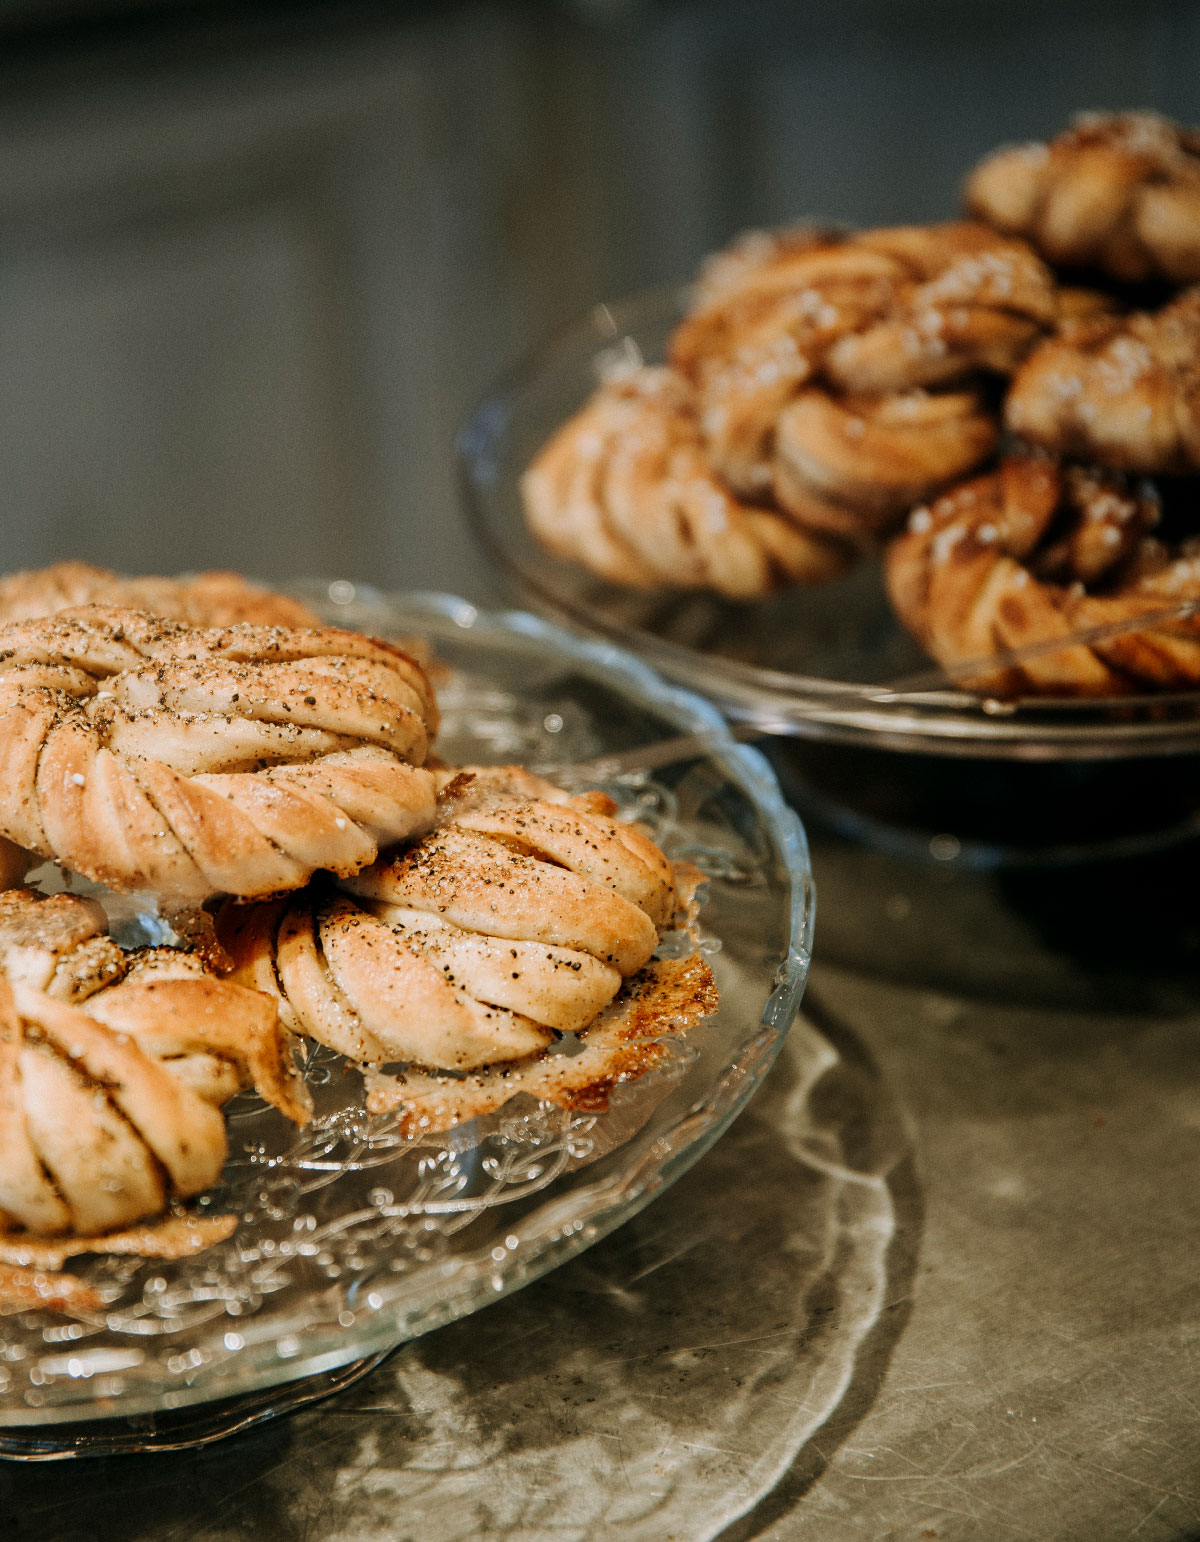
(267, 783)
(1006, 407)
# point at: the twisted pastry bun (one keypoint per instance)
(1119, 193)
(1121, 390)
(237, 760)
(58, 944)
(810, 377)
(207, 599)
(822, 364)
(94, 1134)
(881, 310)
(168, 999)
(516, 920)
(113, 1070)
(962, 301)
(852, 466)
(1037, 551)
(624, 488)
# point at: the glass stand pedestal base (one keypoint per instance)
(992, 814)
(179, 1429)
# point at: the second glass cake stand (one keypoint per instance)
(932, 769)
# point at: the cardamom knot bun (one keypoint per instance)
(625, 488)
(1121, 390)
(823, 363)
(113, 1069)
(205, 599)
(1118, 193)
(192, 762)
(515, 920)
(1037, 551)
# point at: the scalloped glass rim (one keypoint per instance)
(947, 722)
(584, 1212)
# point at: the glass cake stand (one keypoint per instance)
(863, 735)
(351, 1238)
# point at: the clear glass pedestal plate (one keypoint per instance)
(352, 1238)
(920, 768)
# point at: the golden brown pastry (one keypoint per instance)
(878, 311)
(851, 466)
(1121, 390)
(169, 1000)
(58, 944)
(629, 1037)
(1037, 551)
(113, 1068)
(961, 301)
(830, 379)
(516, 920)
(94, 1134)
(145, 754)
(511, 919)
(624, 488)
(823, 363)
(207, 599)
(1119, 193)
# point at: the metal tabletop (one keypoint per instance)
(937, 1282)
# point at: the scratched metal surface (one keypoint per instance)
(938, 1282)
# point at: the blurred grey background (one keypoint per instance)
(257, 262)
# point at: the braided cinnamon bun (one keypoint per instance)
(961, 301)
(113, 1068)
(1119, 193)
(144, 754)
(821, 363)
(881, 310)
(521, 917)
(207, 599)
(812, 377)
(624, 488)
(850, 466)
(1037, 551)
(1122, 390)
(169, 1000)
